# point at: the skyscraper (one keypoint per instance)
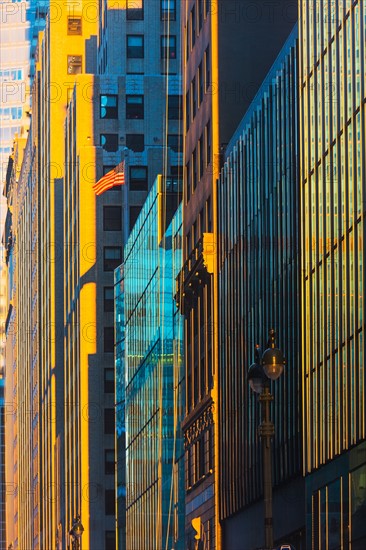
(332, 177)
(221, 75)
(259, 276)
(153, 374)
(83, 124)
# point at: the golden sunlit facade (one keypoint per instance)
(332, 178)
(62, 54)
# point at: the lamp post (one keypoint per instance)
(75, 532)
(268, 367)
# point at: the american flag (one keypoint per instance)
(111, 179)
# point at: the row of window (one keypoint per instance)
(200, 159)
(136, 142)
(201, 84)
(136, 47)
(135, 106)
(199, 12)
(199, 459)
(135, 10)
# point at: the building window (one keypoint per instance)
(108, 339)
(74, 25)
(175, 142)
(135, 10)
(194, 97)
(109, 465)
(112, 218)
(134, 214)
(208, 143)
(108, 298)
(200, 159)
(108, 106)
(109, 421)
(207, 7)
(135, 46)
(135, 106)
(168, 10)
(200, 15)
(174, 107)
(110, 502)
(108, 380)
(109, 142)
(110, 540)
(138, 178)
(207, 70)
(188, 109)
(74, 64)
(193, 26)
(112, 257)
(168, 47)
(200, 85)
(135, 142)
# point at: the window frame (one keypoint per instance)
(115, 141)
(138, 115)
(175, 112)
(168, 14)
(139, 50)
(118, 217)
(136, 183)
(167, 49)
(107, 301)
(106, 260)
(111, 112)
(133, 13)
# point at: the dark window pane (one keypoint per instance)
(109, 421)
(138, 178)
(108, 298)
(135, 46)
(176, 171)
(135, 10)
(108, 339)
(109, 142)
(110, 540)
(112, 257)
(135, 142)
(109, 461)
(175, 110)
(134, 213)
(135, 106)
(108, 106)
(112, 218)
(175, 142)
(168, 10)
(108, 380)
(110, 502)
(168, 47)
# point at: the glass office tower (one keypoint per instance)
(332, 187)
(153, 374)
(258, 203)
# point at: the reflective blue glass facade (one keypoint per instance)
(258, 227)
(332, 190)
(150, 356)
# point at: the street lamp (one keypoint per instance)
(268, 367)
(75, 532)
